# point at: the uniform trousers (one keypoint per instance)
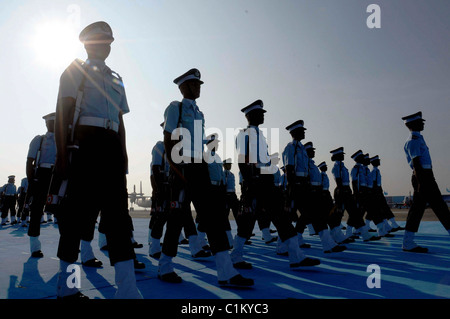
(369, 203)
(267, 201)
(334, 217)
(384, 206)
(158, 219)
(38, 191)
(231, 202)
(190, 183)
(97, 182)
(426, 192)
(307, 199)
(20, 205)
(9, 205)
(346, 201)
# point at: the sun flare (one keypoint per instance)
(55, 43)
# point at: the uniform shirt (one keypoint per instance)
(295, 154)
(47, 148)
(252, 143)
(159, 158)
(314, 173)
(104, 92)
(340, 171)
(415, 146)
(9, 189)
(358, 175)
(369, 177)
(376, 176)
(325, 181)
(215, 168)
(192, 120)
(23, 185)
(230, 182)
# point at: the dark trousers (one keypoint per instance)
(9, 205)
(268, 202)
(38, 191)
(20, 205)
(426, 192)
(386, 211)
(346, 201)
(368, 203)
(307, 199)
(190, 183)
(161, 210)
(97, 182)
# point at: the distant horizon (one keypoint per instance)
(322, 62)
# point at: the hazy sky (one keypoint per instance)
(315, 60)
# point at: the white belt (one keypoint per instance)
(215, 183)
(99, 122)
(301, 174)
(46, 165)
(231, 190)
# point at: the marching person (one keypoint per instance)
(304, 186)
(190, 182)
(258, 189)
(363, 195)
(231, 200)
(159, 173)
(21, 197)
(90, 108)
(344, 199)
(425, 187)
(8, 194)
(379, 194)
(40, 162)
(217, 177)
(334, 217)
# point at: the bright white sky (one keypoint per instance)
(306, 59)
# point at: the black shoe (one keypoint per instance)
(14, 222)
(273, 231)
(372, 230)
(348, 241)
(77, 296)
(155, 255)
(373, 238)
(136, 245)
(389, 235)
(417, 249)
(171, 277)
(248, 242)
(206, 247)
(305, 246)
(202, 254)
(94, 263)
(37, 254)
(138, 264)
(273, 239)
(306, 263)
(184, 242)
(243, 265)
(336, 249)
(397, 229)
(283, 254)
(237, 280)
